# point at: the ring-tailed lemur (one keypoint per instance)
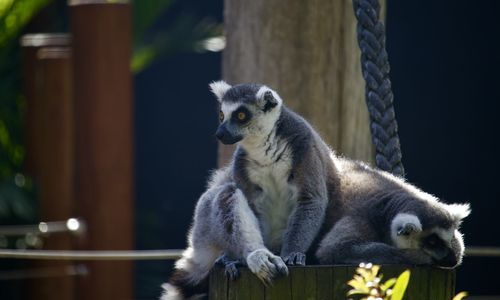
(268, 205)
(282, 186)
(382, 219)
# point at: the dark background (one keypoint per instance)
(445, 59)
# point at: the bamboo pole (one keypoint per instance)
(104, 140)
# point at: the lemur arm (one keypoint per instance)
(354, 240)
(380, 253)
(307, 218)
(237, 232)
(302, 229)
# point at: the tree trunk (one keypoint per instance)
(307, 51)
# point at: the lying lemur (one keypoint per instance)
(286, 193)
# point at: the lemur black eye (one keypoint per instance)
(433, 240)
(241, 116)
(221, 116)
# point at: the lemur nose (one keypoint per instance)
(449, 261)
(220, 133)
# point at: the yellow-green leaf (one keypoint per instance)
(366, 274)
(400, 286)
(388, 284)
(357, 285)
(460, 296)
(356, 292)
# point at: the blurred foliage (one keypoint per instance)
(16, 191)
(14, 15)
(150, 42)
(367, 284)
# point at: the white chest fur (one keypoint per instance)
(277, 200)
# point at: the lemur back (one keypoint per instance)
(383, 219)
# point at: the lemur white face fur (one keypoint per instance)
(245, 117)
(444, 245)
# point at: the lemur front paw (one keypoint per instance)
(295, 259)
(266, 265)
(408, 229)
(230, 266)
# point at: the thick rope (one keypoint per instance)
(379, 97)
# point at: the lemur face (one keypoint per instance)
(443, 244)
(246, 111)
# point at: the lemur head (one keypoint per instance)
(247, 111)
(434, 230)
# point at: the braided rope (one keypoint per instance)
(379, 97)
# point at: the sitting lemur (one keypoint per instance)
(285, 194)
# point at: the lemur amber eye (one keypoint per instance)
(221, 116)
(241, 116)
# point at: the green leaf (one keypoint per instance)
(356, 292)
(142, 57)
(460, 296)
(400, 286)
(388, 284)
(368, 275)
(145, 14)
(358, 285)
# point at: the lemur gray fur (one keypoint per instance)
(285, 192)
(268, 205)
(382, 219)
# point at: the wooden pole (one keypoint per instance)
(30, 44)
(104, 140)
(328, 283)
(56, 164)
(49, 139)
(307, 51)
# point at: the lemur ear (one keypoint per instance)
(459, 211)
(219, 88)
(267, 100)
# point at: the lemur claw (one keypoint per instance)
(231, 271)
(230, 266)
(407, 229)
(295, 258)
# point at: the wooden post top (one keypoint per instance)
(45, 39)
(87, 2)
(328, 283)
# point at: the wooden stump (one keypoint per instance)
(327, 282)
